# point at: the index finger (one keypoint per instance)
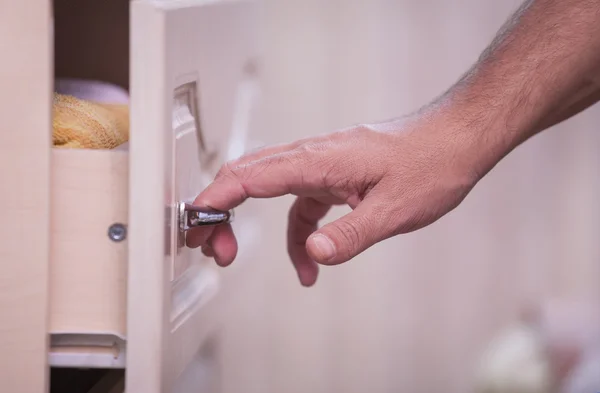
(267, 177)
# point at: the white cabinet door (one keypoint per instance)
(188, 61)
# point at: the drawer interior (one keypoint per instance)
(88, 270)
(92, 40)
(91, 63)
(87, 381)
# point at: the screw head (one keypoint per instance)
(117, 232)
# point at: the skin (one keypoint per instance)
(404, 174)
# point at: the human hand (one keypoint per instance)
(397, 176)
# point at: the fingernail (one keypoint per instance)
(325, 249)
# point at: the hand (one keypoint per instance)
(397, 177)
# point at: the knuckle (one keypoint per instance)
(351, 233)
(290, 165)
(228, 174)
(313, 147)
(284, 163)
(238, 172)
(226, 170)
(363, 131)
(282, 166)
(230, 168)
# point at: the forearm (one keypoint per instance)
(576, 103)
(542, 68)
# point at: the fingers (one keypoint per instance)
(267, 151)
(223, 245)
(304, 217)
(343, 239)
(207, 250)
(197, 237)
(217, 242)
(269, 172)
(250, 176)
(268, 177)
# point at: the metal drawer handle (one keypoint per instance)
(191, 216)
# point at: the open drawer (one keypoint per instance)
(110, 282)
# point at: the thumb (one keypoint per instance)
(348, 236)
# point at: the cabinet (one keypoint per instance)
(72, 295)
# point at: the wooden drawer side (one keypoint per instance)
(88, 270)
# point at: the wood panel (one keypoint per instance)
(88, 279)
(205, 46)
(25, 140)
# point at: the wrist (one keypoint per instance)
(476, 136)
(490, 116)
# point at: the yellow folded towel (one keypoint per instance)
(80, 124)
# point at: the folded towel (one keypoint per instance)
(82, 124)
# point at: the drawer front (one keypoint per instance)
(189, 62)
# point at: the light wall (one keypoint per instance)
(411, 314)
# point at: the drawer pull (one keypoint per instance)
(191, 216)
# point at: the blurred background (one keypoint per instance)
(413, 313)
